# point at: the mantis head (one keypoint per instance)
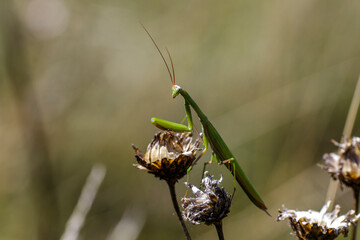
(175, 90)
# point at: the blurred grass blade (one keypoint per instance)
(129, 226)
(88, 194)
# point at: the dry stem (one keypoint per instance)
(177, 210)
(349, 124)
(356, 198)
(219, 230)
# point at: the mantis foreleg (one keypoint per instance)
(176, 127)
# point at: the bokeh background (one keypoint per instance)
(80, 80)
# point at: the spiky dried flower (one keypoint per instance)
(311, 225)
(168, 155)
(345, 165)
(209, 206)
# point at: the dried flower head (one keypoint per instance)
(345, 165)
(209, 206)
(310, 225)
(168, 155)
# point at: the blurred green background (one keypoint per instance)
(80, 80)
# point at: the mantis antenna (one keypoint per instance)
(172, 65)
(172, 77)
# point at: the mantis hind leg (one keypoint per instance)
(230, 161)
(206, 145)
(212, 160)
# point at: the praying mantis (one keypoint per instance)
(221, 152)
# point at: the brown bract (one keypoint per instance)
(345, 165)
(209, 206)
(313, 225)
(168, 155)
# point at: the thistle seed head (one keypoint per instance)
(311, 225)
(168, 155)
(345, 165)
(209, 206)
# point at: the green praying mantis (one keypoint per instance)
(221, 152)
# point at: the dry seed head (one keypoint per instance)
(209, 206)
(168, 155)
(345, 165)
(310, 225)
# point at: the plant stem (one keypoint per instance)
(177, 210)
(219, 230)
(353, 109)
(356, 198)
(349, 124)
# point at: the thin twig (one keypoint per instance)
(177, 210)
(350, 120)
(88, 194)
(219, 230)
(349, 124)
(356, 198)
